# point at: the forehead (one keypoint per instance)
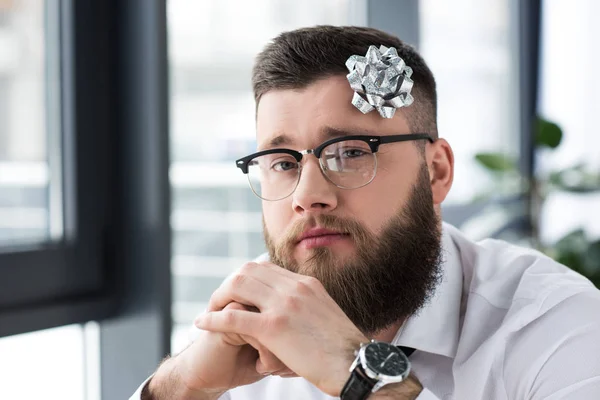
(302, 115)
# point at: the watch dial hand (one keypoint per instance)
(388, 357)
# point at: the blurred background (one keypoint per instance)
(121, 209)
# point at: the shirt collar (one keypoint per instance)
(435, 328)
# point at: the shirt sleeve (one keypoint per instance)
(138, 393)
(556, 356)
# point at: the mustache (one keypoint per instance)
(343, 225)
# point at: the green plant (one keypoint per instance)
(575, 250)
(579, 253)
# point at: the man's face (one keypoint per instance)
(384, 262)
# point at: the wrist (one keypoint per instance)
(381, 371)
(409, 389)
(167, 383)
(340, 375)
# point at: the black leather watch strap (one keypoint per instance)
(358, 386)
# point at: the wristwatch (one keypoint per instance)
(376, 364)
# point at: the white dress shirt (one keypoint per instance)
(506, 322)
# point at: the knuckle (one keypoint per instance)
(229, 317)
(238, 280)
(292, 303)
(278, 323)
(248, 267)
(303, 288)
(310, 283)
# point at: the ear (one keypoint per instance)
(440, 162)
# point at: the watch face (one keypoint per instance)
(385, 359)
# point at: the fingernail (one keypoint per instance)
(199, 319)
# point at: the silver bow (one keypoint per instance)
(380, 80)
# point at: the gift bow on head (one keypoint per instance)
(380, 80)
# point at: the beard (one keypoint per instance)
(391, 276)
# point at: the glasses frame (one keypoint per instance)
(372, 141)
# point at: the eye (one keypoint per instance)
(352, 153)
(284, 165)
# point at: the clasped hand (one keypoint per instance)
(297, 322)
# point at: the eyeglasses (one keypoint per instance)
(349, 162)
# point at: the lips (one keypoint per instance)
(318, 232)
(320, 237)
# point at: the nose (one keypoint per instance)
(314, 193)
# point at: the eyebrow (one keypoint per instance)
(326, 133)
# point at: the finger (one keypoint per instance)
(283, 272)
(231, 321)
(291, 279)
(239, 306)
(285, 371)
(286, 375)
(243, 289)
(263, 369)
(267, 362)
(267, 273)
(235, 339)
(236, 306)
(232, 306)
(295, 281)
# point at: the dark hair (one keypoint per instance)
(295, 59)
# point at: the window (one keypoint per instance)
(30, 188)
(568, 54)
(104, 192)
(471, 48)
(53, 168)
(44, 364)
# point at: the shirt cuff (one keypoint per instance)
(426, 394)
(138, 393)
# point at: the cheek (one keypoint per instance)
(375, 204)
(276, 217)
(372, 217)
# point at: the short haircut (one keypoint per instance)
(296, 59)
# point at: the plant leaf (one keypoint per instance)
(575, 179)
(574, 242)
(547, 134)
(592, 259)
(497, 162)
(572, 260)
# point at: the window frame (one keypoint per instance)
(113, 262)
(62, 282)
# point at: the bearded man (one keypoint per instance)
(365, 292)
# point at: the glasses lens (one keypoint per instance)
(349, 164)
(273, 176)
